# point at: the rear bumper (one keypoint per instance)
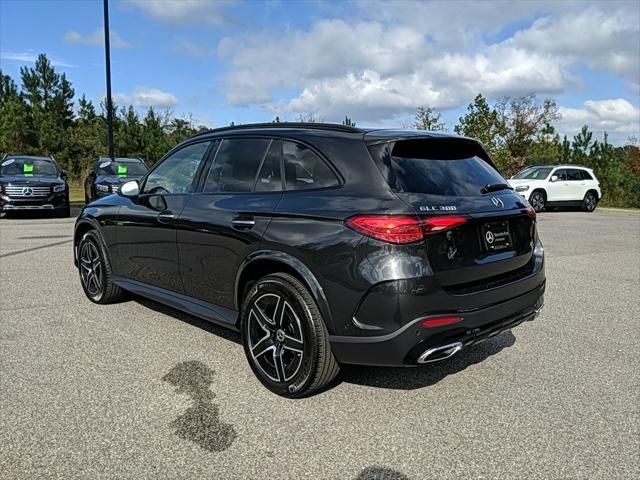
(407, 344)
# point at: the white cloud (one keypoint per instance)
(30, 57)
(394, 56)
(182, 12)
(372, 71)
(600, 39)
(145, 97)
(95, 38)
(618, 117)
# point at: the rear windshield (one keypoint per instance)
(122, 169)
(28, 167)
(535, 173)
(440, 168)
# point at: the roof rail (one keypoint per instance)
(307, 125)
(558, 165)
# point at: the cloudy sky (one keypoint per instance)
(224, 61)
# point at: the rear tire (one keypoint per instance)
(95, 270)
(285, 338)
(538, 201)
(590, 202)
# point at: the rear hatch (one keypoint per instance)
(484, 231)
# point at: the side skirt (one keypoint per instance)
(207, 311)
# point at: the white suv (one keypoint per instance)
(556, 186)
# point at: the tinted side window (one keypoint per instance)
(586, 175)
(573, 174)
(236, 164)
(304, 169)
(176, 173)
(269, 177)
(561, 174)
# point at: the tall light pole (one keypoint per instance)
(107, 54)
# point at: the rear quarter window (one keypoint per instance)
(304, 169)
(437, 167)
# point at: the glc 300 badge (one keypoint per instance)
(437, 208)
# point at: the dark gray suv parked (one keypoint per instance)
(322, 244)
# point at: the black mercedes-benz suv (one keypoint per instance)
(107, 175)
(33, 183)
(322, 244)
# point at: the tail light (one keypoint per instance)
(401, 229)
(532, 213)
(434, 225)
(397, 229)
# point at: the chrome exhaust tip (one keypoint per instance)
(436, 354)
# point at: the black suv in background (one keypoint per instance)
(29, 183)
(107, 175)
(322, 244)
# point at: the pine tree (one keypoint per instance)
(348, 122)
(49, 100)
(15, 126)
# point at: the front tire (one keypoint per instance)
(537, 201)
(590, 202)
(95, 270)
(285, 338)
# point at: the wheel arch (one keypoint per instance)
(541, 190)
(594, 191)
(264, 262)
(84, 225)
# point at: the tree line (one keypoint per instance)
(40, 117)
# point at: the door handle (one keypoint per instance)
(165, 217)
(243, 223)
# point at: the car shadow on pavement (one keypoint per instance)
(210, 327)
(409, 378)
(402, 378)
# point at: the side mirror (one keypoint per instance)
(554, 178)
(130, 189)
(64, 175)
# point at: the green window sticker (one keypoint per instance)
(27, 169)
(122, 170)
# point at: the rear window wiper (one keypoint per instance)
(494, 187)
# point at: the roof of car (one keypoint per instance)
(372, 134)
(120, 159)
(564, 165)
(33, 157)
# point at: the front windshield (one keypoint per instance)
(537, 173)
(28, 167)
(122, 169)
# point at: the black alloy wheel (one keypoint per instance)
(590, 202)
(91, 271)
(537, 201)
(95, 270)
(284, 337)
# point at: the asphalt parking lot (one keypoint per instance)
(137, 390)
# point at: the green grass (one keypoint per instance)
(76, 193)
